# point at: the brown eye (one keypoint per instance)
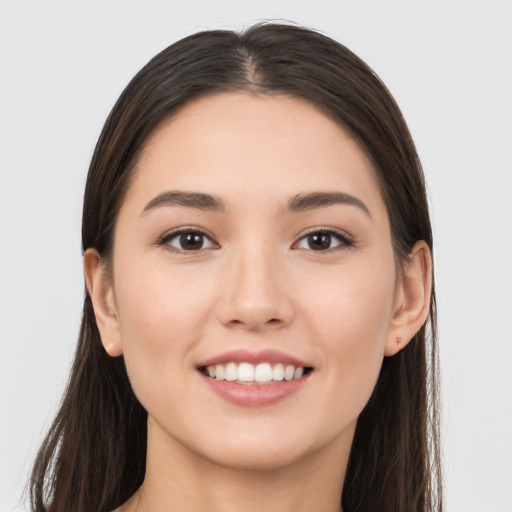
(319, 241)
(324, 240)
(187, 241)
(191, 241)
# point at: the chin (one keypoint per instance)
(256, 458)
(269, 449)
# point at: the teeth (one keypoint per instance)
(278, 372)
(263, 373)
(297, 374)
(219, 372)
(245, 372)
(289, 372)
(249, 373)
(231, 372)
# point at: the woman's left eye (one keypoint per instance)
(187, 241)
(324, 240)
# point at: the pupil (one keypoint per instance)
(191, 241)
(320, 241)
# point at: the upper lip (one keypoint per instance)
(247, 356)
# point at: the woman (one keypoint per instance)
(257, 254)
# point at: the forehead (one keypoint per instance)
(245, 148)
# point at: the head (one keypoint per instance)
(268, 67)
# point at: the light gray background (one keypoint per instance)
(63, 64)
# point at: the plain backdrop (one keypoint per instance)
(64, 63)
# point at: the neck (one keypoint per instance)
(180, 480)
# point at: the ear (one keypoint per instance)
(412, 299)
(101, 291)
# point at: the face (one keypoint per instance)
(254, 291)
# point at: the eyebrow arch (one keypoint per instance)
(304, 202)
(197, 200)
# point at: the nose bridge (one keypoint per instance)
(254, 295)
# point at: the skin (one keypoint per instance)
(255, 283)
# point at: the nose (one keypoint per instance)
(255, 295)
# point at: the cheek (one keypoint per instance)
(152, 296)
(351, 304)
(162, 316)
(349, 319)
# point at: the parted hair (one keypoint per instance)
(93, 457)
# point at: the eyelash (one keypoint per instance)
(165, 239)
(345, 240)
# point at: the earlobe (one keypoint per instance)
(412, 299)
(101, 292)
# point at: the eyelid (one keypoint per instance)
(346, 240)
(173, 233)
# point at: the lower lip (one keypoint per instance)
(254, 395)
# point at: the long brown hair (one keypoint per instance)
(93, 458)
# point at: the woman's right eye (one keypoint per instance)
(186, 241)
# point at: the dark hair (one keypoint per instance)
(93, 458)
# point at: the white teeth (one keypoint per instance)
(278, 372)
(245, 372)
(289, 371)
(249, 373)
(219, 372)
(231, 372)
(263, 373)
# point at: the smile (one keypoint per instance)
(254, 379)
(262, 373)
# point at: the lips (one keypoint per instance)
(254, 378)
(262, 356)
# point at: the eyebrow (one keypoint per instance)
(197, 200)
(313, 200)
(208, 202)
